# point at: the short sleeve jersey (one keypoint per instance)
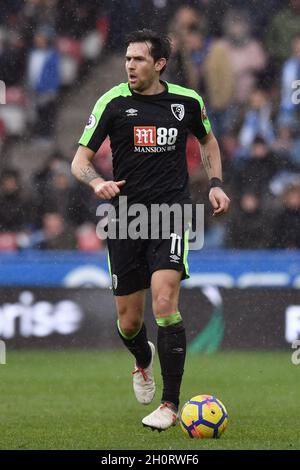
(148, 136)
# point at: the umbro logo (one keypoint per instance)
(178, 350)
(131, 112)
(174, 258)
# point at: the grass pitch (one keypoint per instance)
(84, 400)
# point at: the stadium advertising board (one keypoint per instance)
(214, 318)
(222, 268)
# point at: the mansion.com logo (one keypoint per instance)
(154, 139)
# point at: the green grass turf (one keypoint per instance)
(84, 400)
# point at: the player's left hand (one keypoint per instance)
(219, 200)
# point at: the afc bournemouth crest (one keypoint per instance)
(178, 111)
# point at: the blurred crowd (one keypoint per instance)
(45, 45)
(246, 65)
(242, 57)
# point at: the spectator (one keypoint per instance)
(42, 177)
(58, 189)
(43, 80)
(55, 234)
(34, 14)
(15, 208)
(258, 119)
(9, 7)
(186, 16)
(286, 226)
(75, 18)
(53, 186)
(256, 172)
(131, 15)
(188, 32)
(82, 205)
(87, 238)
(230, 70)
(248, 227)
(282, 28)
(12, 59)
(287, 143)
(258, 11)
(246, 55)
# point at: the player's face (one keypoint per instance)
(141, 69)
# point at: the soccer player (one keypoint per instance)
(147, 120)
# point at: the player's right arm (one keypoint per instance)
(83, 169)
(96, 129)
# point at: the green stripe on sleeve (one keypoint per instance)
(186, 252)
(108, 263)
(180, 90)
(99, 108)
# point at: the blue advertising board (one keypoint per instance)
(223, 268)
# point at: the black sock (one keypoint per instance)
(139, 347)
(171, 345)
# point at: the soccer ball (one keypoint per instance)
(203, 416)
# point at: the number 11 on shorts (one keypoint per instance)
(176, 243)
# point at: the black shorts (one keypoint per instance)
(132, 262)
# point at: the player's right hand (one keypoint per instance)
(108, 189)
(219, 200)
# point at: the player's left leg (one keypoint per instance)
(171, 344)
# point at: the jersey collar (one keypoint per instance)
(140, 97)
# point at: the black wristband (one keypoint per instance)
(215, 183)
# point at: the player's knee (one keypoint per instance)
(129, 326)
(129, 331)
(163, 304)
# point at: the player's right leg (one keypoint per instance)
(132, 332)
(130, 277)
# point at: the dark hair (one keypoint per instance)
(259, 139)
(160, 44)
(10, 173)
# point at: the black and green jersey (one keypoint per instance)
(148, 138)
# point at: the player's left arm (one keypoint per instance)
(211, 158)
